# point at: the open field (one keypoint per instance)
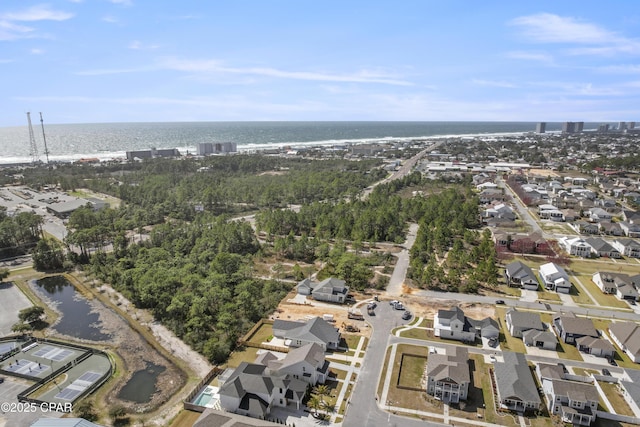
(185, 419)
(615, 398)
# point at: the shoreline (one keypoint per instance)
(257, 148)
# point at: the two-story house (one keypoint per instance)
(448, 375)
(520, 275)
(453, 324)
(570, 328)
(298, 334)
(515, 386)
(555, 278)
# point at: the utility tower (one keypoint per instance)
(44, 138)
(33, 148)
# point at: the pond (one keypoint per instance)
(77, 317)
(142, 385)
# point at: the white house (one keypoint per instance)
(453, 324)
(555, 278)
(575, 246)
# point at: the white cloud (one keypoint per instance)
(530, 56)
(620, 69)
(36, 51)
(122, 2)
(39, 12)
(10, 29)
(108, 71)
(110, 19)
(212, 66)
(550, 28)
(138, 45)
(494, 83)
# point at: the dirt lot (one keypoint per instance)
(289, 310)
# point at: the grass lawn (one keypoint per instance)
(246, 354)
(585, 372)
(185, 419)
(418, 334)
(600, 297)
(565, 351)
(482, 393)
(507, 342)
(548, 296)
(578, 294)
(615, 398)
(383, 374)
(352, 341)
(413, 368)
(588, 267)
(409, 399)
(264, 333)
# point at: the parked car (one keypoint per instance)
(612, 362)
(1, 380)
(607, 372)
(394, 302)
(399, 306)
(406, 315)
(499, 301)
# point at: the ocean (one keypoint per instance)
(68, 142)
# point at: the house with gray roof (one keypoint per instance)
(215, 418)
(619, 284)
(253, 389)
(521, 321)
(575, 402)
(520, 275)
(330, 290)
(298, 334)
(545, 340)
(448, 375)
(599, 347)
(627, 336)
(570, 328)
(601, 248)
(515, 386)
(630, 388)
(627, 247)
(454, 325)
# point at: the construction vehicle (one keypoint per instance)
(348, 327)
(355, 314)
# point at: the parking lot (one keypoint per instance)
(12, 300)
(9, 389)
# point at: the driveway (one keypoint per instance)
(394, 288)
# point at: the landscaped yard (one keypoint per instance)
(246, 354)
(263, 334)
(600, 297)
(482, 393)
(185, 419)
(412, 372)
(615, 398)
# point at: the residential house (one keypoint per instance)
(601, 248)
(632, 217)
(486, 186)
(630, 388)
(627, 336)
(215, 418)
(252, 391)
(521, 321)
(630, 229)
(575, 246)
(520, 275)
(545, 340)
(448, 375)
(501, 211)
(599, 214)
(627, 247)
(490, 195)
(549, 212)
(298, 334)
(331, 290)
(453, 324)
(619, 284)
(575, 402)
(570, 328)
(570, 215)
(555, 278)
(596, 347)
(584, 227)
(611, 228)
(515, 387)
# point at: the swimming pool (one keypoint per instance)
(207, 397)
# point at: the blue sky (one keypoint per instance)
(85, 61)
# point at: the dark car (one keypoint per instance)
(606, 372)
(499, 301)
(612, 362)
(1, 380)
(406, 315)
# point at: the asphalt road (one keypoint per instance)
(363, 409)
(394, 288)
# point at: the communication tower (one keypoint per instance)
(44, 138)
(33, 148)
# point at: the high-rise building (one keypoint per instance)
(579, 126)
(541, 127)
(603, 128)
(622, 126)
(205, 148)
(631, 125)
(568, 127)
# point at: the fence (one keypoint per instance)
(616, 417)
(186, 404)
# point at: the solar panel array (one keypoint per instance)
(78, 386)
